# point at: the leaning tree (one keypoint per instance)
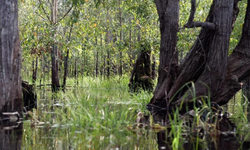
(10, 58)
(207, 67)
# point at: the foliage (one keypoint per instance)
(96, 115)
(100, 34)
(101, 114)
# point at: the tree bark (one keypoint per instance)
(10, 58)
(238, 67)
(215, 68)
(168, 12)
(34, 70)
(97, 61)
(120, 34)
(54, 52)
(66, 58)
(153, 73)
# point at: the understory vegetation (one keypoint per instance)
(96, 113)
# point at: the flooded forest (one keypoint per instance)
(124, 74)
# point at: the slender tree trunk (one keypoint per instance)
(34, 70)
(108, 63)
(153, 74)
(109, 39)
(10, 58)
(104, 65)
(75, 70)
(102, 59)
(54, 52)
(66, 58)
(97, 60)
(130, 46)
(120, 50)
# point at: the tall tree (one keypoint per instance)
(10, 58)
(54, 51)
(214, 74)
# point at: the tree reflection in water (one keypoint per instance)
(11, 137)
(221, 141)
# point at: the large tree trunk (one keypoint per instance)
(238, 67)
(214, 75)
(169, 16)
(215, 68)
(10, 58)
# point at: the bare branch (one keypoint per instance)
(44, 10)
(192, 12)
(48, 1)
(208, 25)
(192, 24)
(40, 15)
(65, 14)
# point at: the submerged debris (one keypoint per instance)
(9, 120)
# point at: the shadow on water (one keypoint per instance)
(11, 138)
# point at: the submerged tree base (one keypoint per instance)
(199, 121)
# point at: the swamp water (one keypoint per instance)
(104, 119)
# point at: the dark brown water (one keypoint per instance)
(11, 137)
(54, 136)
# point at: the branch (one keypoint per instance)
(192, 12)
(192, 24)
(65, 14)
(208, 25)
(44, 10)
(48, 1)
(40, 15)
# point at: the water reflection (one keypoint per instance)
(218, 142)
(11, 138)
(53, 135)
